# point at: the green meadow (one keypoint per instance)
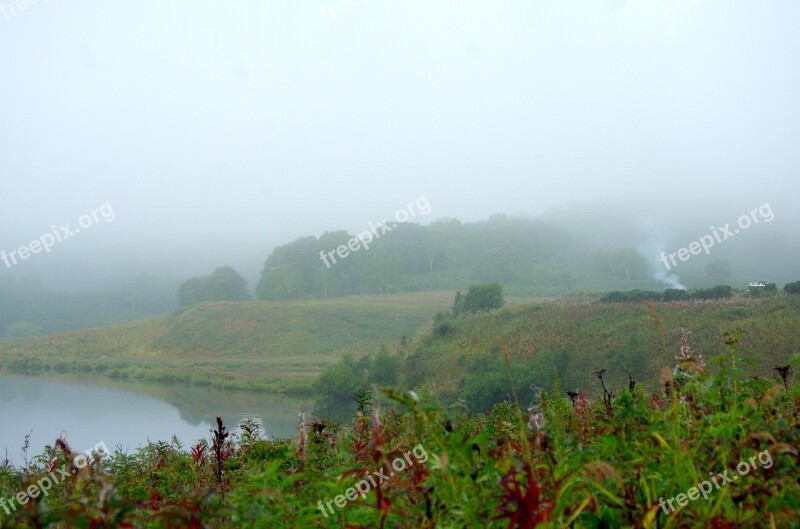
(275, 346)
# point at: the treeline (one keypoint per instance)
(670, 294)
(717, 292)
(447, 254)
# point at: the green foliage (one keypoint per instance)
(574, 337)
(224, 284)
(442, 325)
(671, 294)
(635, 296)
(285, 282)
(458, 305)
(268, 346)
(562, 462)
(383, 368)
(675, 294)
(527, 256)
(382, 273)
(770, 289)
(493, 265)
(488, 383)
(717, 292)
(483, 298)
(792, 288)
(339, 382)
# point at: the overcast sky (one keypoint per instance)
(217, 130)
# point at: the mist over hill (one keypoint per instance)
(596, 247)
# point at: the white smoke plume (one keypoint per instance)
(651, 250)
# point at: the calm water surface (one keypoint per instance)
(125, 416)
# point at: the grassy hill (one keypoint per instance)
(273, 346)
(573, 337)
(282, 346)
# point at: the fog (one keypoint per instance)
(216, 131)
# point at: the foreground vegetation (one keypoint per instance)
(565, 461)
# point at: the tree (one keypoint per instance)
(492, 265)
(383, 368)
(675, 294)
(283, 282)
(484, 297)
(224, 284)
(382, 273)
(792, 288)
(329, 284)
(191, 292)
(458, 304)
(718, 292)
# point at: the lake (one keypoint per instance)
(125, 416)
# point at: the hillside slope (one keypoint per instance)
(575, 337)
(275, 346)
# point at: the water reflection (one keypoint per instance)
(126, 416)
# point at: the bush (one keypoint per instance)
(442, 328)
(340, 381)
(675, 294)
(792, 288)
(483, 298)
(770, 289)
(383, 369)
(718, 292)
(633, 296)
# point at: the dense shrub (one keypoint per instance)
(632, 296)
(717, 292)
(671, 294)
(483, 297)
(340, 381)
(792, 288)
